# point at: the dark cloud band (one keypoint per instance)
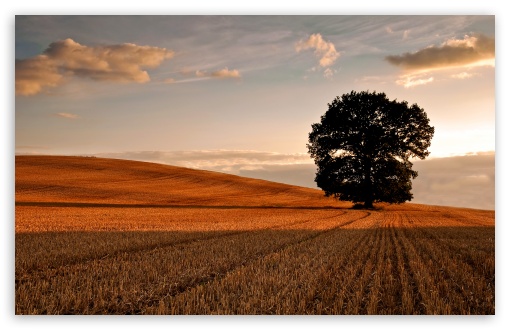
(470, 50)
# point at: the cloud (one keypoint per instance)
(226, 73)
(33, 147)
(213, 159)
(463, 181)
(462, 75)
(200, 73)
(405, 35)
(328, 73)
(324, 50)
(221, 74)
(32, 150)
(66, 58)
(67, 115)
(295, 174)
(454, 54)
(372, 79)
(33, 74)
(412, 80)
(471, 51)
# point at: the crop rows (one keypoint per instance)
(253, 261)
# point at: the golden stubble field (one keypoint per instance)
(104, 236)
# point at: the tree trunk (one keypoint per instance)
(369, 194)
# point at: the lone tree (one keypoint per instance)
(362, 148)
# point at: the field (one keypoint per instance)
(104, 236)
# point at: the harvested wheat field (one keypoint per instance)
(104, 236)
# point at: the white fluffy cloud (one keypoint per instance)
(67, 58)
(324, 50)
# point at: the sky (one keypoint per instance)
(89, 84)
(239, 95)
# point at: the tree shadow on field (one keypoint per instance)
(363, 207)
(177, 206)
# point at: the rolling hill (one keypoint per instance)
(58, 179)
(106, 236)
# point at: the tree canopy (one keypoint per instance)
(363, 146)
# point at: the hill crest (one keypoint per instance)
(114, 181)
(83, 181)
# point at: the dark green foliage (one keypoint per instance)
(363, 144)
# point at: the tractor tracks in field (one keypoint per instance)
(254, 258)
(164, 245)
(156, 291)
(173, 206)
